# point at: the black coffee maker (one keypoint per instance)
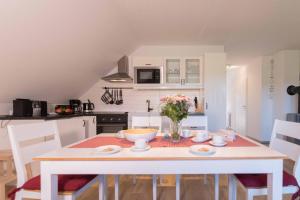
(76, 105)
(88, 107)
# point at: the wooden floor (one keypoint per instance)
(192, 188)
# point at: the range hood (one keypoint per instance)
(122, 75)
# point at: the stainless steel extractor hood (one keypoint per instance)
(122, 75)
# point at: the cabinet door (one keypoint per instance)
(192, 71)
(90, 126)
(173, 71)
(147, 61)
(71, 130)
(215, 90)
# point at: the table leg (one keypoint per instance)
(102, 187)
(231, 187)
(116, 187)
(154, 187)
(178, 186)
(49, 185)
(216, 186)
(275, 182)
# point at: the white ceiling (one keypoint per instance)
(56, 49)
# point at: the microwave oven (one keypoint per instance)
(147, 75)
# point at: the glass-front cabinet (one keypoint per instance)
(183, 71)
(173, 71)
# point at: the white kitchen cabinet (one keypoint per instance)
(90, 126)
(4, 141)
(215, 90)
(71, 130)
(147, 61)
(183, 71)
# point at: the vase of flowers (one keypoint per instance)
(176, 109)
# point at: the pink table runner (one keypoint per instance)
(157, 142)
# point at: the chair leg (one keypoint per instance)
(154, 187)
(232, 187)
(102, 187)
(116, 187)
(134, 179)
(178, 186)
(249, 196)
(216, 186)
(2, 191)
(205, 179)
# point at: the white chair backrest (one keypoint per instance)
(195, 122)
(283, 135)
(31, 140)
(146, 122)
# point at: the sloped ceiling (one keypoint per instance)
(56, 49)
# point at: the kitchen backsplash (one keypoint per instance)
(134, 100)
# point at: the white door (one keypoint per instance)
(215, 90)
(237, 98)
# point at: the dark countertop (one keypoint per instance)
(48, 117)
(55, 116)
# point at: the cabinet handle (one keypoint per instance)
(148, 64)
(83, 123)
(94, 120)
(206, 105)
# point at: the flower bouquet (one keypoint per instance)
(176, 109)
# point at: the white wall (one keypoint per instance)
(286, 72)
(134, 100)
(268, 79)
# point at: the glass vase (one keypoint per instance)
(175, 131)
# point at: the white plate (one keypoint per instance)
(218, 145)
(194, 139)
(202, 150)
(133, 148)
(109, 149)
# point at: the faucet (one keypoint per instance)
(148, 102)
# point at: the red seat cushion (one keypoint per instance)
(65, 182)
(260, 180)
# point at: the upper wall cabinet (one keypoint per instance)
(147, 61)
(184, 71)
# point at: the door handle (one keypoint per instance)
(182, 81)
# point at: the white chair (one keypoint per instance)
(147, 122)
(195, 122)
(255, 185)
(31, 140)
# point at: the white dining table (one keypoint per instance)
(162, 160)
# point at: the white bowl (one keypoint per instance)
(134, 134)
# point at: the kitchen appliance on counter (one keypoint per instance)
(88, 107)
(111, 122)
(39, 108)
(76, 105)
(29, 108)
(147, 75)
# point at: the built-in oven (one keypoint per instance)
(111, 122)
(147, 75)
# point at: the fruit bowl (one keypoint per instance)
(63, 110)
(145, 133)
